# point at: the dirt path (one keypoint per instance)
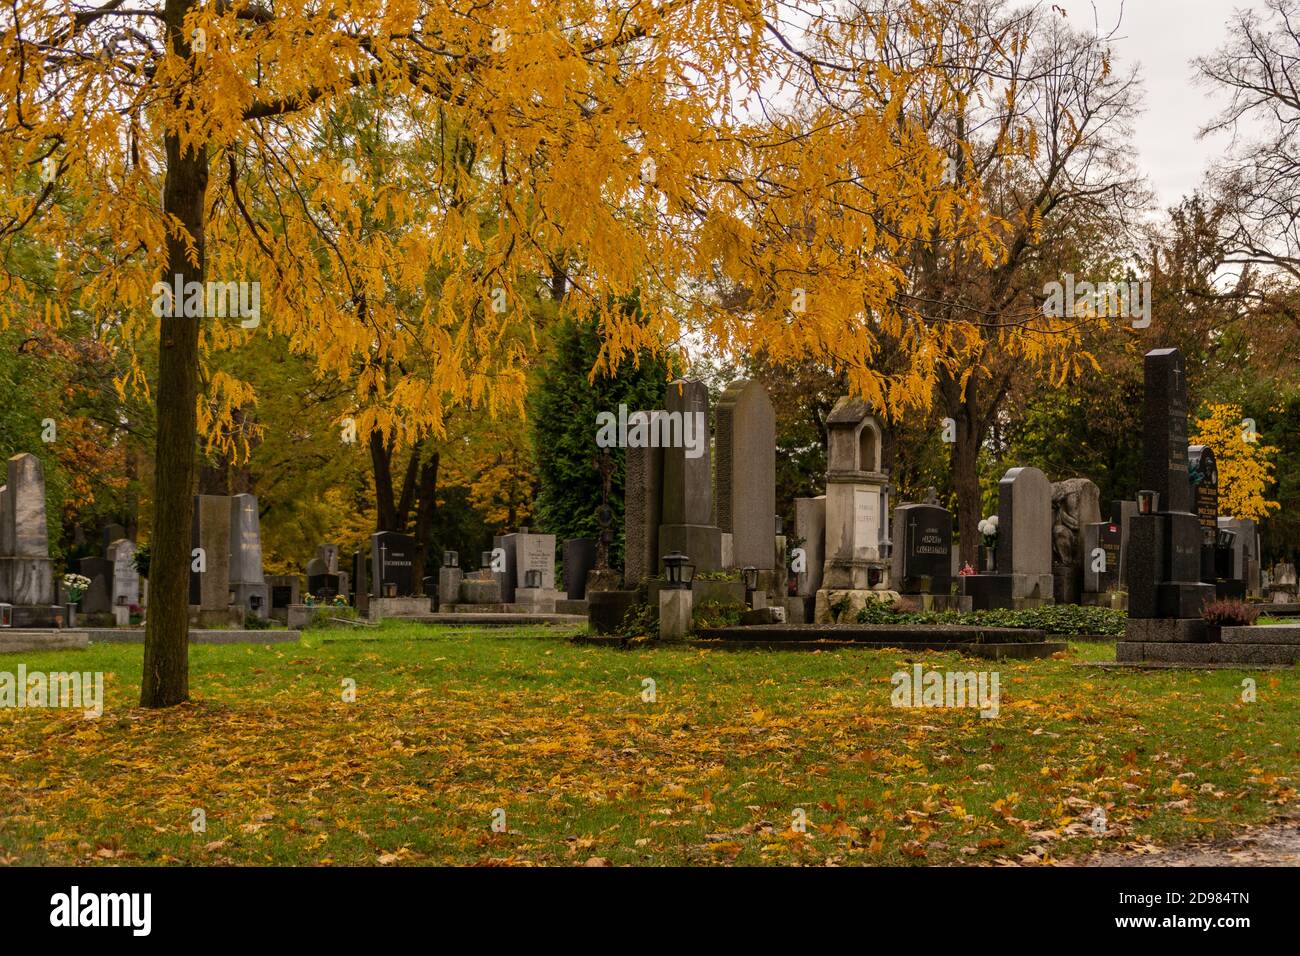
(1274, 844)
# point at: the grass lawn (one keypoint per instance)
(450, 724)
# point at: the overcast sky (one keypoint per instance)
(1163, 36)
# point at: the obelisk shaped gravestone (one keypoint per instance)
(1164, 567)
(746, 473)
(687, 516)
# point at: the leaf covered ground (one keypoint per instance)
(451, 725)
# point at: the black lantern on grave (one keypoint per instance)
(678, 571)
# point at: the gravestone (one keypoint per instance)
(534, 552)
(246, 578)
(1243, 563)
(391, 557)
(285, 589)
(810, 528)
(855, 566)
(26, 573)
(922, 556)
(642, 511)
(1203, 473)
(360, 583)
(746, 473)
(112, 532)
(125, 578)
(1163, 566)
(1022, 575)
(687, 514)
(1076, 503)
(579, 559)
(1121, 513)
(322, 583)
(98, 598)
(210, 531)
(1102, 546)
(329, 553)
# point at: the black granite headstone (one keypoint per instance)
(926, 549)
(1203, 472)
(391, 557)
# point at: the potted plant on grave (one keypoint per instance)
(75, 585)
(1226, 613)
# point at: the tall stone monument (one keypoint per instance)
(746, 473)
(855, 567)
(687, 514)
(1163, 566)
(26, 574)
(210, 588)
(246, 579)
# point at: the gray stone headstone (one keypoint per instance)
(246, 541)
(1024, 523)
(642, 511)
(329, 553)
(535, 552)
(746, 473)
(687, 516)
(126, 579)
(26, 575)
(810, 527)
(210, 530)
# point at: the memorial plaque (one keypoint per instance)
(866, 520)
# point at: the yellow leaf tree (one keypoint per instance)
(1245, 471)
(176, 153)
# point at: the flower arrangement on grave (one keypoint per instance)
(988, 529)
(966, 570)
(340, 601)
(76, 585)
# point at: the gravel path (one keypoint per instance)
(1274, 844)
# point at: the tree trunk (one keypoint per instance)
(381, 459)
(424, 512)
(166, 679)
(965, 464)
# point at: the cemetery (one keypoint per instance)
(532, 455)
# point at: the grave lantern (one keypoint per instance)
(485, 560)
(254, 602)
(1225, 537)
(780, 525)
(678, 571)
(6, 615)
(390, 589)
(1147, 502)
(749, 574)
(121, 600)
(533, 579)
(450, 559)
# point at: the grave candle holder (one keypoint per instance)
(390, 589)
(678, 571)
(1147, 502)
(450, 559)
(749, 574)
(6, 615)
(485, 560)
(532, 579)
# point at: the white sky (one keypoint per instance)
(1162, 37)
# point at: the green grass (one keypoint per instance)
(452, 723)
